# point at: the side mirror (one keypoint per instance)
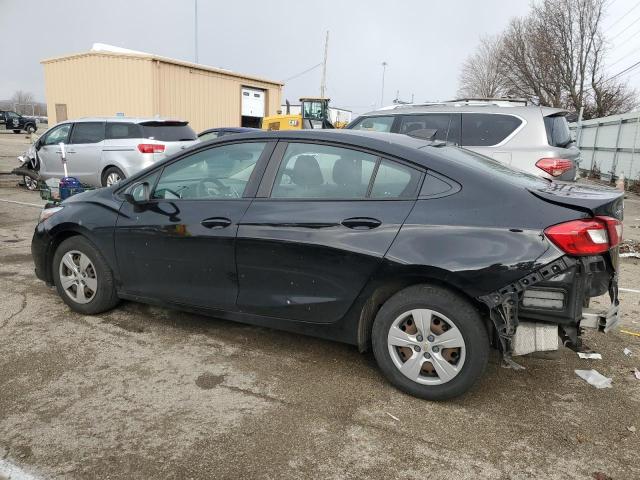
(138, 193)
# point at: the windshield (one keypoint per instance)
(492, 167)
(374, 124)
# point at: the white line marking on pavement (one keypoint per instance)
(629, 290)
(9, 470)
(21, 203)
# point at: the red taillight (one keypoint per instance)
(586, 237)
(151, 148)
(554, 166)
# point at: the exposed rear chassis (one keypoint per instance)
(504, 304)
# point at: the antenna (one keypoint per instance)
(323, 84)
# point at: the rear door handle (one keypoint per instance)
(361, 223)
(216, 222)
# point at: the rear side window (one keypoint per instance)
(168, 132)
(323, 172)
(394, 180)
(120, 130)
(485, 129)
(87, 132)
(439, 122)
(557, 128)
(374, 124)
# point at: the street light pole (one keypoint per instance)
(195, 29)
(384, 68)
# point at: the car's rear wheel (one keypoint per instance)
(111, 176)
(30, 129)
(16, 131)
(430, 342)
(82, 277)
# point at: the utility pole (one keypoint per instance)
(195, 28)
(384, 68)
(323, 84)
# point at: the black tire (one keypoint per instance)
(458, 310)
(30, 129)
(16, 131)
(109, 171)
(105, 297)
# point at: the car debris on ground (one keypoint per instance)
(595, 378)
(590, 355)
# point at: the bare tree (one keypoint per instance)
(555, 54)
(22, 97)
(481, 75)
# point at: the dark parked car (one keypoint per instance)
(16, 122)
(213, 133)
(425, 253)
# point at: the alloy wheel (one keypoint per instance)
(30, 183)
(112, 178)
(78, 277)
(426, 346)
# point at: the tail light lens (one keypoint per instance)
(554, 166)
(151, 148)
(587, 236)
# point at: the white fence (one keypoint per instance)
(610, 145)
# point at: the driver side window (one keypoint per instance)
(216, 173)
(57, 135)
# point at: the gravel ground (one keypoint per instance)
(144, 392)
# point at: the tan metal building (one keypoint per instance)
(136, 84)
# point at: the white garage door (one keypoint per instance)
(252, 102)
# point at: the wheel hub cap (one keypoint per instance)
(78, 277)
(428, 331)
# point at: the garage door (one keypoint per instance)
(252, 102)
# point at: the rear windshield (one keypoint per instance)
(168, 132)
(492, 167)
(557, 128)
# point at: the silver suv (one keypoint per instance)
(531, 138)
(103, 151)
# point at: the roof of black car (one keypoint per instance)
(355, 137)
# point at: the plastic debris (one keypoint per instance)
(590, 355)
(393, 416)
(635, 334)
(593, 377)
(636, 372)
(627, 352)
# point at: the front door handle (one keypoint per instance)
(216, 222)
(361, 223)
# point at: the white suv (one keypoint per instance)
(531, 138)
(103, 151)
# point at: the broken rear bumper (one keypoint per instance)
(529, 314)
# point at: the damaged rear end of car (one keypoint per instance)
(553, 301)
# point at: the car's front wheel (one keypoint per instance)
(30, 129)
(16, 131)
(430, 342)
(30, 183)
(82, 277)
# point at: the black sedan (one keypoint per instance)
(425, 253)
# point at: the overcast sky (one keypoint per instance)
(423, 42)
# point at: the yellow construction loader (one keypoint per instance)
(314, 113)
